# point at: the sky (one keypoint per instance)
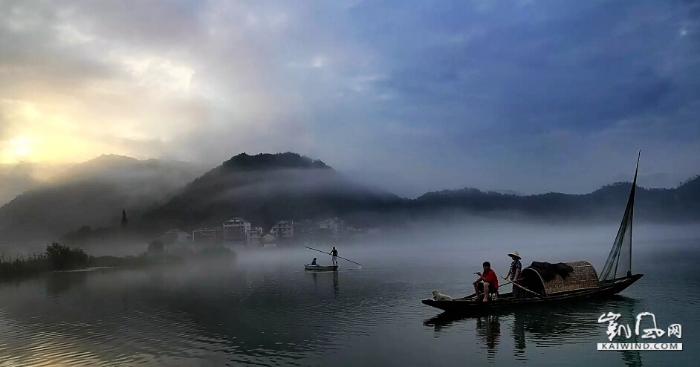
(409, 95)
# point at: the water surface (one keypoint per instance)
(265, 310)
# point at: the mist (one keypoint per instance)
(283, 182)
(461, 249)
(19, 178)
(92, 193)
(432, 243)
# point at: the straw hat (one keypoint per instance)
(514, 254)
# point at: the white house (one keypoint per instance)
(332, 227)
(235, 229)
(284, 228)
(253, 236)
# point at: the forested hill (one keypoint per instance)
(663, 205)
(266, 188)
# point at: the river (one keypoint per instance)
(266, 310)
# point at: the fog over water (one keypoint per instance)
(264, 309)
(466, 240)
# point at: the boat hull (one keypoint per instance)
(321, 268)
(506, 301)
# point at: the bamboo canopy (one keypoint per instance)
(583, 277)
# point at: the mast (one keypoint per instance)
(634, 187)
(611, 265)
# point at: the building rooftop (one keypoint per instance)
(237, 220)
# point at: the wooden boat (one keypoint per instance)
(321, 267)
(579, 282)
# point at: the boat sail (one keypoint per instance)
(622, 247)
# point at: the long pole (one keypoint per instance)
(336, 256)
(539, 296)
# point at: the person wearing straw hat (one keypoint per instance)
(514, 273)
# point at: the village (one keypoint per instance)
(238, 234)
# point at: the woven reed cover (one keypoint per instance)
(584, 276)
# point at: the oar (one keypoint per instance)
(336, 256)
(536, 294)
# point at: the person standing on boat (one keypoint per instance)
(334, 253)
(514, 273)
(314, 262)
(487, 282)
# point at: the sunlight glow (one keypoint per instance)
(57, 148)
(42, 133)
(19, 147)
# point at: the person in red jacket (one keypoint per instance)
(487, 282)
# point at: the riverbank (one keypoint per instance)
(58, 257)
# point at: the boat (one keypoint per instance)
(321, 267)
(543, 282)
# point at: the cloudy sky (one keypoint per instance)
(411, 95)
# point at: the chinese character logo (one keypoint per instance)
(674, 330)
(652, 333)
(613, 327)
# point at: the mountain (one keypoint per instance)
(92, 193)
(607, 203)
(265, 188)
(23, 176)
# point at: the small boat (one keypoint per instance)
(321, 267)
(558, 283)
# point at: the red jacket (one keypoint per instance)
(491, 277)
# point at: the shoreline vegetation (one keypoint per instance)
(58, 257)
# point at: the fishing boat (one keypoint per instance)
(543, 282)
(321, 267)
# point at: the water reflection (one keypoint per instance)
(518, 333)
(488, 330)
(336, 288)
(543, 327)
